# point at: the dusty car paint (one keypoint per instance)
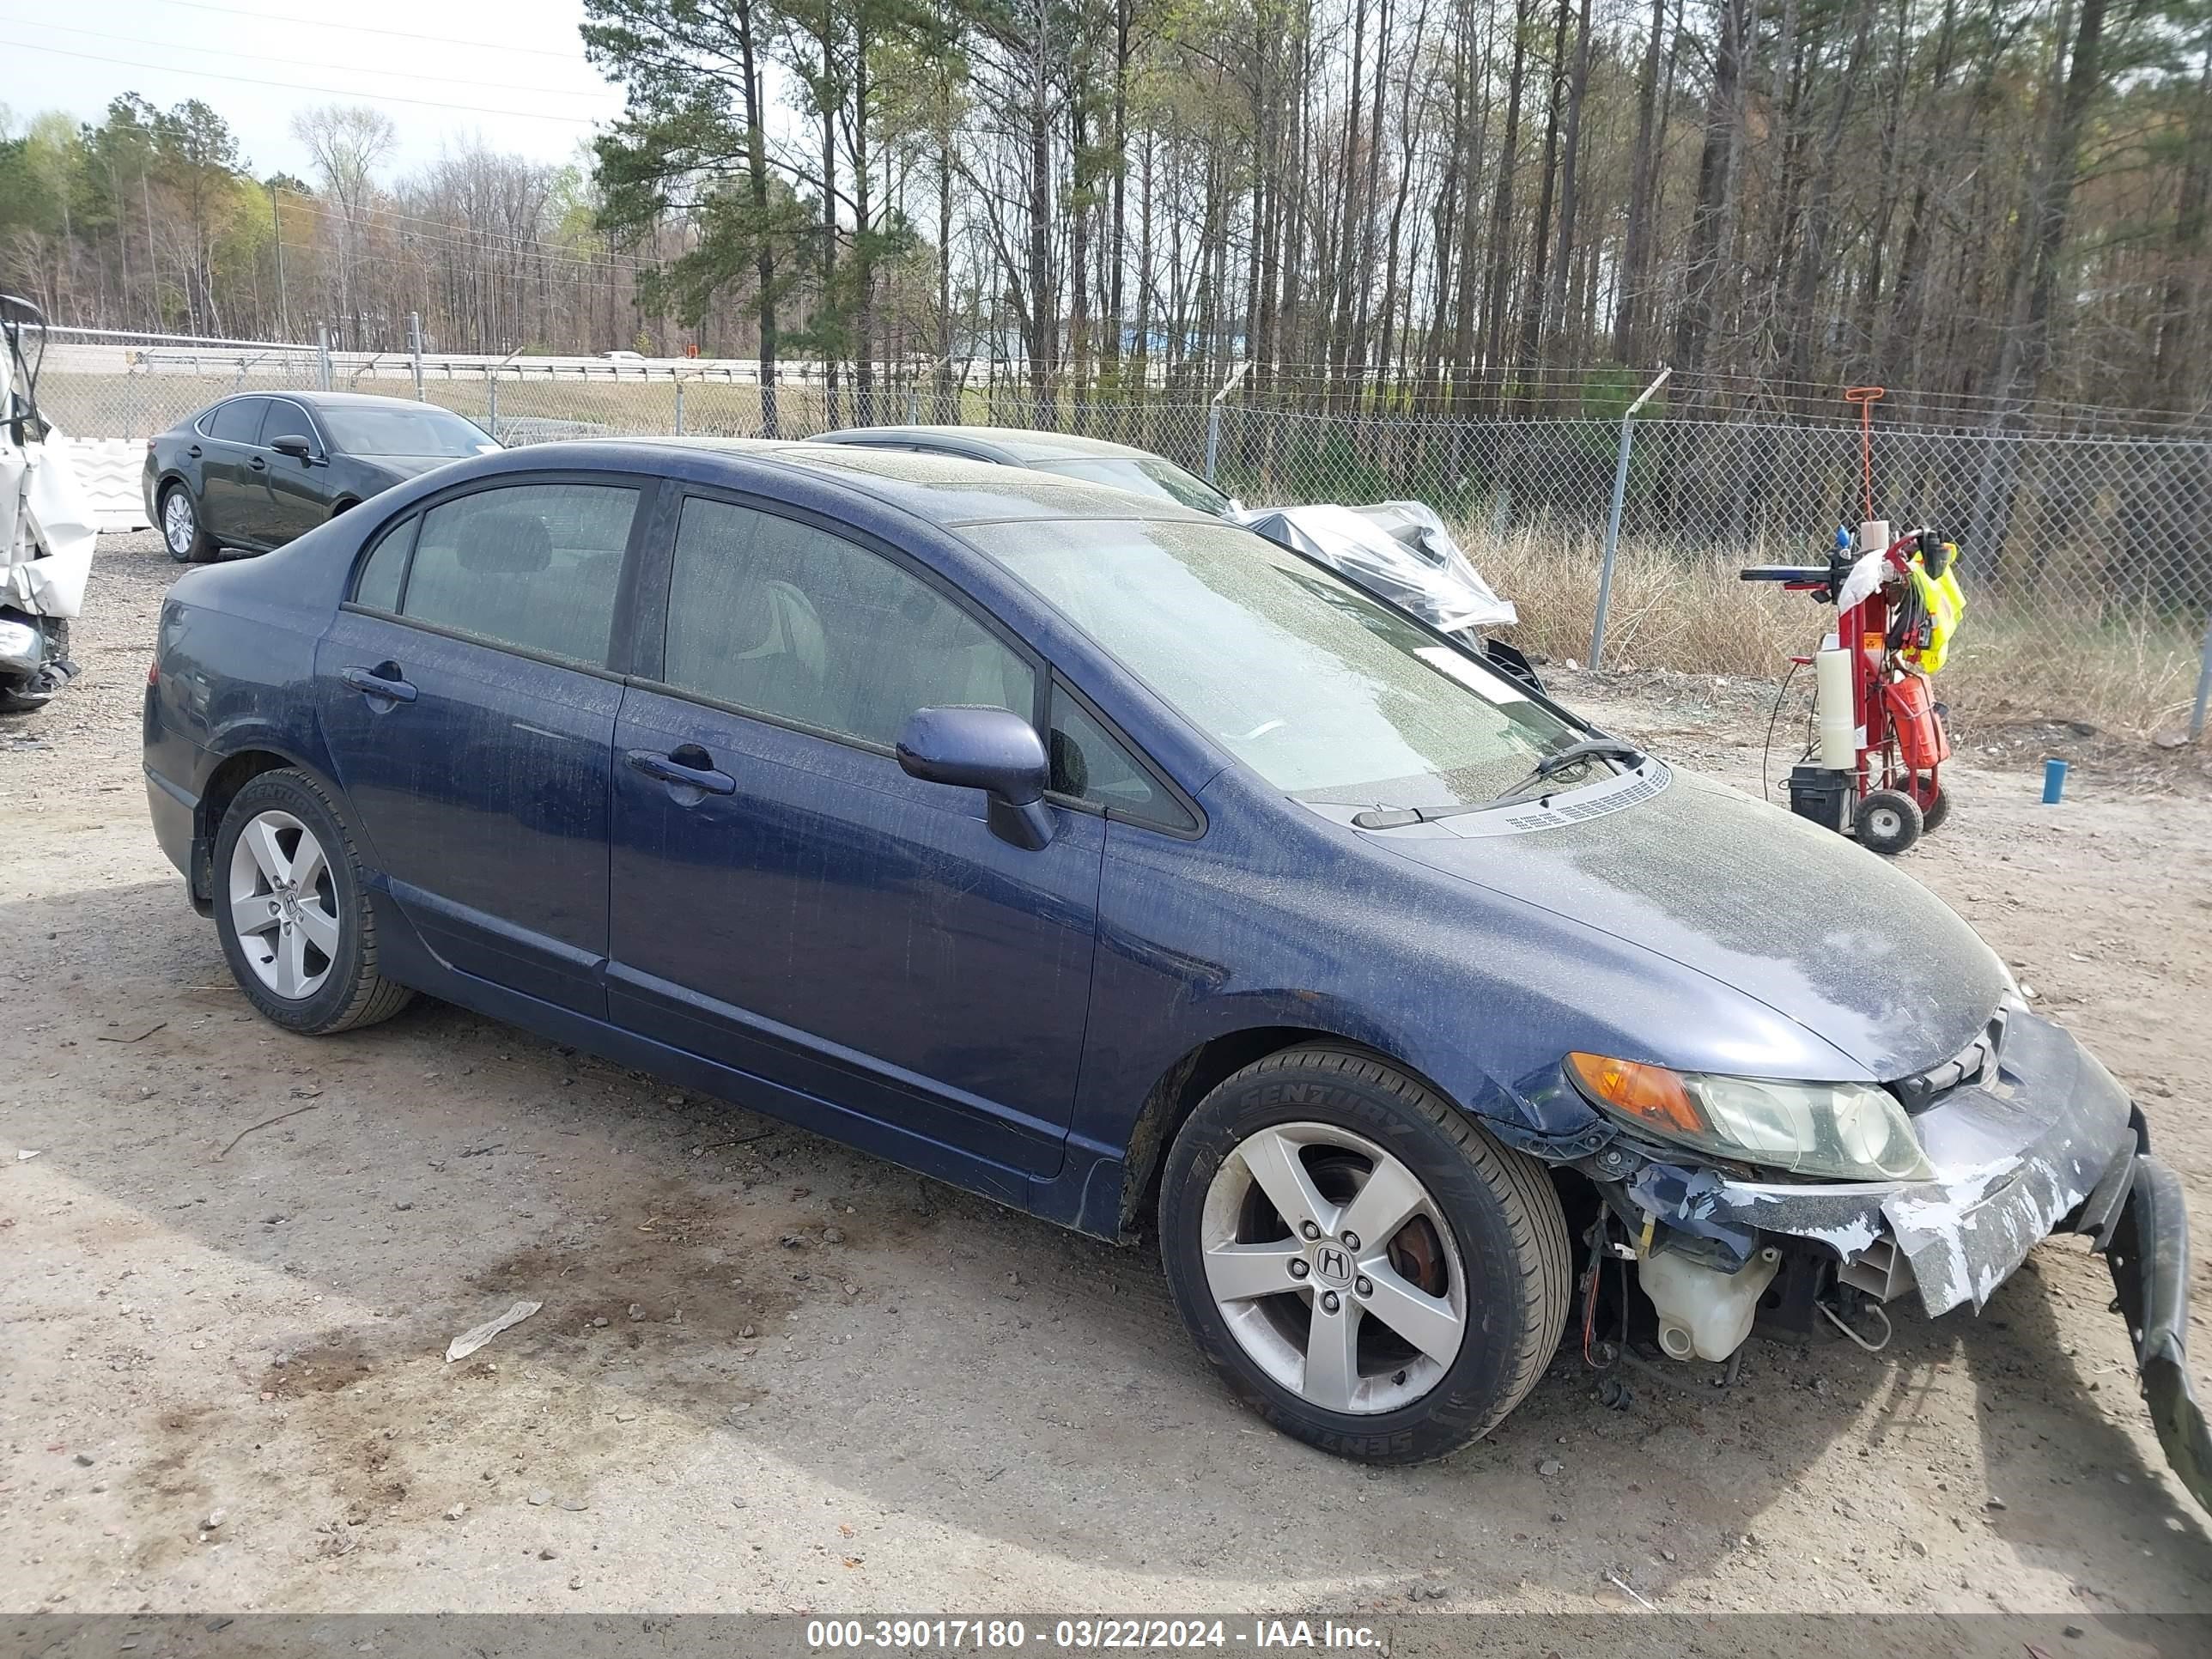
(1029, 1024)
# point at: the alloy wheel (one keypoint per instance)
(1334, 1269)
(283, 906)
(177, 527)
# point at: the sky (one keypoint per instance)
(510, 73)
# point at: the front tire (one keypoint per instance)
(292, 911)
(181, 533)
(1364, 1267)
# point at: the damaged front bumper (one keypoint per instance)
(2147, 1250)
(2047, 1142)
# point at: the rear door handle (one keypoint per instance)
(372, 683)
(193, 450)
(670, 770)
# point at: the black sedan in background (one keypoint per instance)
(1094, 460)
(255, 471)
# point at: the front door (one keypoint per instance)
(789, 903)
(293, 496)
(469, 711)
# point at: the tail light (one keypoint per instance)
(153, 671)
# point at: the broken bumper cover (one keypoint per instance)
(2052, 1144)
(2015, 1156)
(2147, 1250)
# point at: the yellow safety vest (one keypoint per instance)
(1945, 603)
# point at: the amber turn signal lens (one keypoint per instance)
(1651, 1094)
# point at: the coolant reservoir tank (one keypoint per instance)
(1703, 1313)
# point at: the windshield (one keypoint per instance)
(362, 430)
(1330, 696)
(1146, 474)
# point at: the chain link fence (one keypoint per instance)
(2086, 558)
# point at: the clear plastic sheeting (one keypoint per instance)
(47, 529)
(46, 523)
(1397, 550)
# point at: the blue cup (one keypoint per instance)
(2054, 781)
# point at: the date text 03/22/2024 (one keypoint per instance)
(1092, 1635)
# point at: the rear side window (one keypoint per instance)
(535, 566)
(1090, 763)
(785, 620)
(239, 421)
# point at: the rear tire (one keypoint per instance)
(1420, 1336)
(292, 912)
(188, 543)
(1934, 809)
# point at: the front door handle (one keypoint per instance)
(670, 770)
(370, 683)
(258, 465)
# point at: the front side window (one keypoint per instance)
(423, 432)
(535, 565)
(285, 419)
(782, 619)
(1325, 693)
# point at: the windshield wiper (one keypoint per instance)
(1574, 754)
(1397, 818)
(1390, 817)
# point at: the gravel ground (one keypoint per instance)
(772, 1373)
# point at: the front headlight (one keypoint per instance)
(1844, 1131)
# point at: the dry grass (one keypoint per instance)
(2010, 662)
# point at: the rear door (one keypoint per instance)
(469, 704)
(228, 493)
(788, 902)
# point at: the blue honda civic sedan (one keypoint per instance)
(1105, 858)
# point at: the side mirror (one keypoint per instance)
(987, 749)
(299, 447)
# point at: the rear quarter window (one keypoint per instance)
(238, 422)
(381, 573)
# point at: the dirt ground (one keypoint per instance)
(772, 1373)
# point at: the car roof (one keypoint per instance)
(1019, 445)
(329, 399)
(946, 490)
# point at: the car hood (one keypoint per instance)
(1797, 917)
